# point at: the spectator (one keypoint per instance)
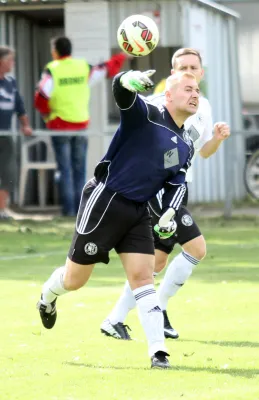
(62, 97)
(10, 103)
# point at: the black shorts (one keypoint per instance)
(7, 163)
(107, 220)
(187, 229)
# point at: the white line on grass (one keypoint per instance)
(33, 255)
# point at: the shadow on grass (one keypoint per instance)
(235, 372)
(224, 343)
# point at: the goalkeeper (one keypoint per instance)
(149, 151)
(188, 234)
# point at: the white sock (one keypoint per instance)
(151, 318)
(54, 286)
(177, 273)
(123, 306)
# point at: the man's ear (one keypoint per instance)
(168, 96)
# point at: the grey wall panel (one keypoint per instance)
(2, 28)
(169, 16)
(248, 34)
(87, 24)
(209, 31)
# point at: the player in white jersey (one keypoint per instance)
(188, 235)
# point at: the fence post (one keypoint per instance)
(228, 206)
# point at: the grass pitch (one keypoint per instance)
(216, 314)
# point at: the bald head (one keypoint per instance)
(182, 95)
(173, 80)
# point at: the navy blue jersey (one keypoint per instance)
(148, 151)
(10, 102)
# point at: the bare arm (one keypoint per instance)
(25, 125)
(221, 132)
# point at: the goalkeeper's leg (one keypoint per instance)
(139, 269)
(113, 325)
(63, 280)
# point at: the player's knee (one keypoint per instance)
(72, 284)
(200, 253)
(196, 248)
(140, 278)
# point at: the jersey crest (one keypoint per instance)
(171, 158)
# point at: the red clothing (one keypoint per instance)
(41, 101)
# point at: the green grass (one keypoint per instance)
(216, 313)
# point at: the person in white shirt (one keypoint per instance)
(188, 235)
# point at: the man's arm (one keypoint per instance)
(107, 69)
(221, 132)
(21, 113)
(174, 192)
(123, 97)
(43, 93)
(126, 86)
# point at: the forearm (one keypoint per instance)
(24, 120)
(210, 147)
(173, 197)
(123, 97)
(41, 103)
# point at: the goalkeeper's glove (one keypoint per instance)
(166, 226)
(136, 81)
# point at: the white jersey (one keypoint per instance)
(199, 127)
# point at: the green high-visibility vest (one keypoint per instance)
(70, 96)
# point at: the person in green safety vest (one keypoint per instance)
(62, 98)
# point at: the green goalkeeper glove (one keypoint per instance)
(166, 226)
(136, 81)
(165, 232)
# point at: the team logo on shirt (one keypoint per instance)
(194, 134)
(187, 138)
(90, 249)
(171, 158)
(187, 220)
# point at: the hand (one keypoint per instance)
(26, 130)
(166, 226)
(136, 81)
(165, 232)
(221, 131)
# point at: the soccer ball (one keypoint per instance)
(138, 35)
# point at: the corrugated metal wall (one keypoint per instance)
(169, 16)
(248, 39)
(87, 24)
(214, 34)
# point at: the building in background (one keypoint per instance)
(248, 39)
(92, 26)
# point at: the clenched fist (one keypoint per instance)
(221, 131)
